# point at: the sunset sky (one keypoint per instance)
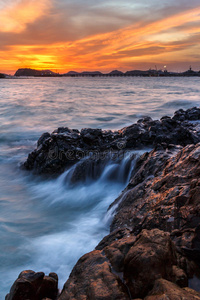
(64, 35)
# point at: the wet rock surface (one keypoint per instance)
(92, 278)
(164, 193)
(129, 267)
(34, 286)
(153, 249)
(64, 147)
(164, 289)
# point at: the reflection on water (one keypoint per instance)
(45, 104)
(48, 224)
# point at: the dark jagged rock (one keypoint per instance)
(34, 286)
(43, 138)
(190, 114)
(65, 146)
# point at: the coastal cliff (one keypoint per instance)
(153, 249)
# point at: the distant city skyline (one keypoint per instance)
(84, 35)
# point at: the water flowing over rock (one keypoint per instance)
(153, 249)
(64, 147)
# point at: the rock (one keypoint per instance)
(117, 250)
(112, 237)
(86, 169)
(134, 201)
(25, 287)
(151, 257)
(179, 277)
(64, 147)
(164, 289)
(66, 130)
(43, 138)
(92, 278)
(34, 286)
(54, 276)
(48, 288)
(124, 266)
(163, 193)
(190, 114)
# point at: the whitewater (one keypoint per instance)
(46, 224)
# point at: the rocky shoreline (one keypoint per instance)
(153, 249)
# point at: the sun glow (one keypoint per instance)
(163, 41)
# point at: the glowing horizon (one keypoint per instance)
(79, 36)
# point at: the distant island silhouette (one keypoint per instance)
(28, 72)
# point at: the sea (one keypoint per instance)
(48, 224)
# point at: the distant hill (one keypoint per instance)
(116, 73)
(91, 73)
(149, 73)
(137, 73)
(84, 73)
(35, 73)
(71, 73)
(2, 75)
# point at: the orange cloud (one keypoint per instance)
(15, 17)
(135, 43)
(173, 39)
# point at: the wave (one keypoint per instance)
(178, 103)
